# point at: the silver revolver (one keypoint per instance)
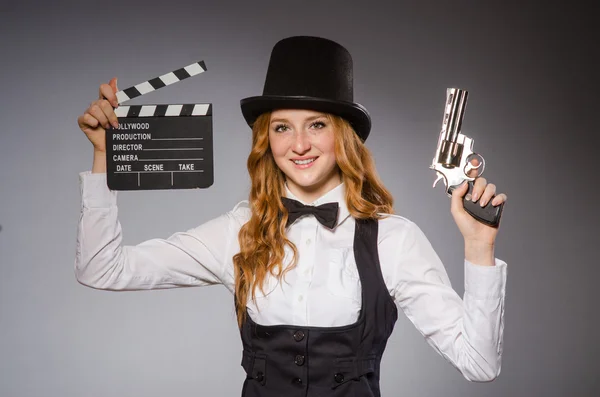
(455, 162)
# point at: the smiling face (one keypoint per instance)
(303, 146)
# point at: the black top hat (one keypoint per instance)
(309, 73)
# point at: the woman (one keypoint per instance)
(316, 261)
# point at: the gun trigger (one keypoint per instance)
(437, 180)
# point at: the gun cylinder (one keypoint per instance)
(450, 154)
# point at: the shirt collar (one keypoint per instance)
(335, 195)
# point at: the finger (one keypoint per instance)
(109, 112)
(113, 84)
(473, 173)
(97, 113)
(456, 204)
(478, 188)
(106, 92)
(499, 199)
(487, 195)
(86, 121)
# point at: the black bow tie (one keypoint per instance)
(327, 213)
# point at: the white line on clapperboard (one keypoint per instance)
(170, 110)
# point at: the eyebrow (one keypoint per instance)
(307, 119)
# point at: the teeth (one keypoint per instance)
(302, 162)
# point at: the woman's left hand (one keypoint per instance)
(473, 231)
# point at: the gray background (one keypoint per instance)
(531, 75)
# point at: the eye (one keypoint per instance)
(281, 128)
(318, 125)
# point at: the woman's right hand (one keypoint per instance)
(100, 115)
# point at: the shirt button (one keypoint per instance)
(297, 381)
(259, 376)
(339, 378)
(298, 336)
(299, 360)
(308, 241)
(300, 297)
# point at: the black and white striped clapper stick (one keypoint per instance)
(165, 146)
(158, 83)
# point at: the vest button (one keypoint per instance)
(339, 378)
(259, 376)
(299, 360)
(297, 381)
(298, 336)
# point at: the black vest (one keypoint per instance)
(289, 361)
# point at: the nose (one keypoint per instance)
(301, 143)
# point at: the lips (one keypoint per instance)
(304, 163)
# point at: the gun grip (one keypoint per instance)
(489, 214)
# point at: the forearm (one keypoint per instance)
(100, 262)
(99, 163)
(479, 253)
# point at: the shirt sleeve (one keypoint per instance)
(196, 257)
(467, 332)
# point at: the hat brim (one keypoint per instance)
(354, 113)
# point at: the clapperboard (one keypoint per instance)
(160, 146)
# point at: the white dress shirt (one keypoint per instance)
(322, 290)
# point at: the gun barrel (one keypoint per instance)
(456, 102)
(450, 149)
